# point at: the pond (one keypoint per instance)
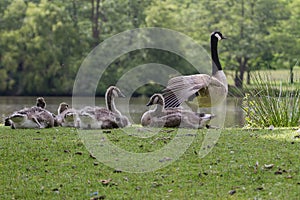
(234, 115)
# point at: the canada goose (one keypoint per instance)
(209, 90)
(34, 117)
(104, 118)
(66, 117)
(172, 117)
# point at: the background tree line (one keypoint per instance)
(43, 42)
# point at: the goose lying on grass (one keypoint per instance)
(34, 117)
(104, 118)
(172, 117)
(67, 117)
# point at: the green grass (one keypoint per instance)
(54, 164)
(268, 103)
(279, 75)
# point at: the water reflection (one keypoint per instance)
(136, 107)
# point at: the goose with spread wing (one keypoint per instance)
(199, 90)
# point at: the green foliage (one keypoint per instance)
(269, 103)
(54, 164)
(44, 42)
(40, 52)
(247, 24)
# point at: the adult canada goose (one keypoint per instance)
(67, 117)
(104, 118)
(172, 117)
(34, 117)
(208, 90)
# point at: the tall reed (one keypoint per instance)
(269, 103)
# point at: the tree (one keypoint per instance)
(42, 49)
(247, 24)
(285, 36)
(40, 52)
(10, 41)
(250, 26)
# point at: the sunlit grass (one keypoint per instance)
(286, 135)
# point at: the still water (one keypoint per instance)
(133, 108)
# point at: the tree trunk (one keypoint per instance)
(241, 69)
(248, 76)
(95, 21)
(74, 13)
(291, 74)
(237, 81)
(239, 78)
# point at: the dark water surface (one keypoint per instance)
(134, 110)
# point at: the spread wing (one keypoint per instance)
(181, 88)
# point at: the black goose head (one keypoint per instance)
(215, 37)
(218, 35)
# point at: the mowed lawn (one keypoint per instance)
(279, 75)
(244, 164)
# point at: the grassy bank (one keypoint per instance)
(279, 75)
(54, 164)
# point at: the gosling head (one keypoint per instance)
(40, 102)
(156, 99)
(218, 35)
(113, 91)
(7, 122)
(62, 107)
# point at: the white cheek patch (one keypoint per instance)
(218, 36)
(115, 93)
(155, 100)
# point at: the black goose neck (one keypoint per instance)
(216, 65)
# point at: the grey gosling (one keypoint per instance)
(104, 118)
(67, 117)
(34, 117)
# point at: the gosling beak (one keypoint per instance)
(121, 95)
(149, 104)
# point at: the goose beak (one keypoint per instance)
(122, 95)
(224, 37)
(149, 103)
